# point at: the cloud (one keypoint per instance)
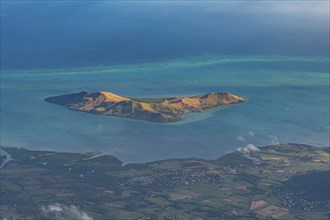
(273, 139)
(248, 148)
(240, 138)
(251, 133)
(286, 8)
(60, 211)
(318, 8)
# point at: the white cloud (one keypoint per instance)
(319, 8)
(240, 138)
(248, 148)
(54, 208)
(251, 133)
(311, 9)
(60, 211)
(273, 139)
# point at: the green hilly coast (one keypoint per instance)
(287, 181)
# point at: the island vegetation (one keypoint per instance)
(150, 109)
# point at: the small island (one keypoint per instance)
(149, 109)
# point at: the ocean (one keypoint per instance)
(276, 58)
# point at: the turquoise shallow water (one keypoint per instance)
(288, 102)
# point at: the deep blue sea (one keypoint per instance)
(275, 54)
